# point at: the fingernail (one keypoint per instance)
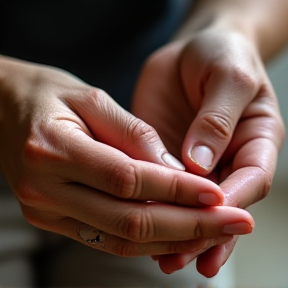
(238, 228)
(202, 155)
(209, 199)
(173, 162)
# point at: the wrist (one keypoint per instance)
(221, 22)
(263, 24)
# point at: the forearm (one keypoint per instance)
(264, 22)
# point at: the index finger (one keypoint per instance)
(105, 168)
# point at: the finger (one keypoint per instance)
(100, 166)
(174, 262)
(254, 162)
(106, 242)
(144, 222)
(255, 165)
(226, 91)
(256, 171)
(210, 262)
(112, 125)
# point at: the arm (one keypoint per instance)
(263, 22)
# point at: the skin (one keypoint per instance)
(72, 157)
(209, 87)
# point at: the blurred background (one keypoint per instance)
(262, 257)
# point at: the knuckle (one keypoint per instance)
(277, 127)
(220, 124)
(27, 194)
(243, 79)
(271, 127)
(267, 183)
(239, 76)
(175, 192)
(197, 228)
(138, 130)
(125, 181)
(94, 96)
(91, 98)
(42, 148)
(137, 227)
(272, 123)
(32, 152)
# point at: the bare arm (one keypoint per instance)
(264, 22)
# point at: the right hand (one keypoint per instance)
(76, 160)
(219, 99)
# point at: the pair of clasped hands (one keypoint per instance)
(73, 156)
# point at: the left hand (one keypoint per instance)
(213, 106)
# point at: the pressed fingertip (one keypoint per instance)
(238, 228)
(210, 199)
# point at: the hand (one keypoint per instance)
(70, 154)
(212, 104)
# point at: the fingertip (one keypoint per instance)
(205, 273)
(198, 159)
(211, 199)
(173, 162)
(241, 228)
(202, 155)
(212, 196)
(174, 262)
(249, 219)
(208, 264)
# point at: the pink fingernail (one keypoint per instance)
(202, 155)
(209, 199)
(238, 228)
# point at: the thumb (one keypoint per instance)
(111, 124)
(224, 100)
